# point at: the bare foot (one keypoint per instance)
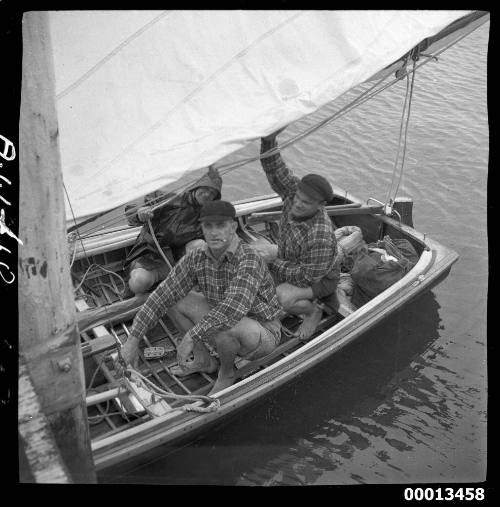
(309, 324)
(209, 366)
(221, 383)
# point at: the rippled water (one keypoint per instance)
(407, 401)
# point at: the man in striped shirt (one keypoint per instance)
(236, 310)
(303, 262)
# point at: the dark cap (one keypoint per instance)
(317, 187)
(217, 210)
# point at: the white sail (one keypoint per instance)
(144, 96)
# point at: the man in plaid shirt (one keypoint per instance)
(236, 310)
(303, 262)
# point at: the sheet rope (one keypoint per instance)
(402, 144)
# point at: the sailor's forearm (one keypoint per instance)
(135, 339)
(268, 144)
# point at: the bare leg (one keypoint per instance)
(310, 321)
(298, 301)
(227, 348)
(185, 315)
(244, 338)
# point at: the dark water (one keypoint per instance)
(406, 402)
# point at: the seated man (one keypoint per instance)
(303, 261)
(236, 311)
(175, 225)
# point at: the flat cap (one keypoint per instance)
(317, 187)
(217, 210)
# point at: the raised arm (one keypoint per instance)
(281, 179)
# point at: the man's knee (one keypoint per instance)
(194, 305)
(287, 295)
(140, 280)
(227, 342)
(244, 338)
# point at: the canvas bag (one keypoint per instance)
(372, 275)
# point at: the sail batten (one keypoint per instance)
(146, 96)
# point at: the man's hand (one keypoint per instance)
(272, 137)
(144, 213)
(267, 251)
(184, 350)
(213, 172)
(130, 352)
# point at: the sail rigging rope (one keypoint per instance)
(77, 230)
(401, 126)
(406, 131)
(72, 241)
(402, 144)
(162, 253)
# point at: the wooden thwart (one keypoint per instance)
(342, 209)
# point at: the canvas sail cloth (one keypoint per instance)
(144, 96)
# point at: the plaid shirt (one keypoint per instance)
(236, 285)
(306, 248)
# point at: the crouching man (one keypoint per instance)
(303, 263)
(236, 310)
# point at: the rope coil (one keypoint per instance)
(145, 383)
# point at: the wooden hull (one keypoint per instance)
(434, 264)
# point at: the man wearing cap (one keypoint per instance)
(303, 261)
(236, 311)
(176, 227)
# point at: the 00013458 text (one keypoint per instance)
(433, 494)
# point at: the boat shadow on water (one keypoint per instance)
(322, 417)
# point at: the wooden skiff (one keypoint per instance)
(122, 428)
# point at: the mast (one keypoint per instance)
(48, 334)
